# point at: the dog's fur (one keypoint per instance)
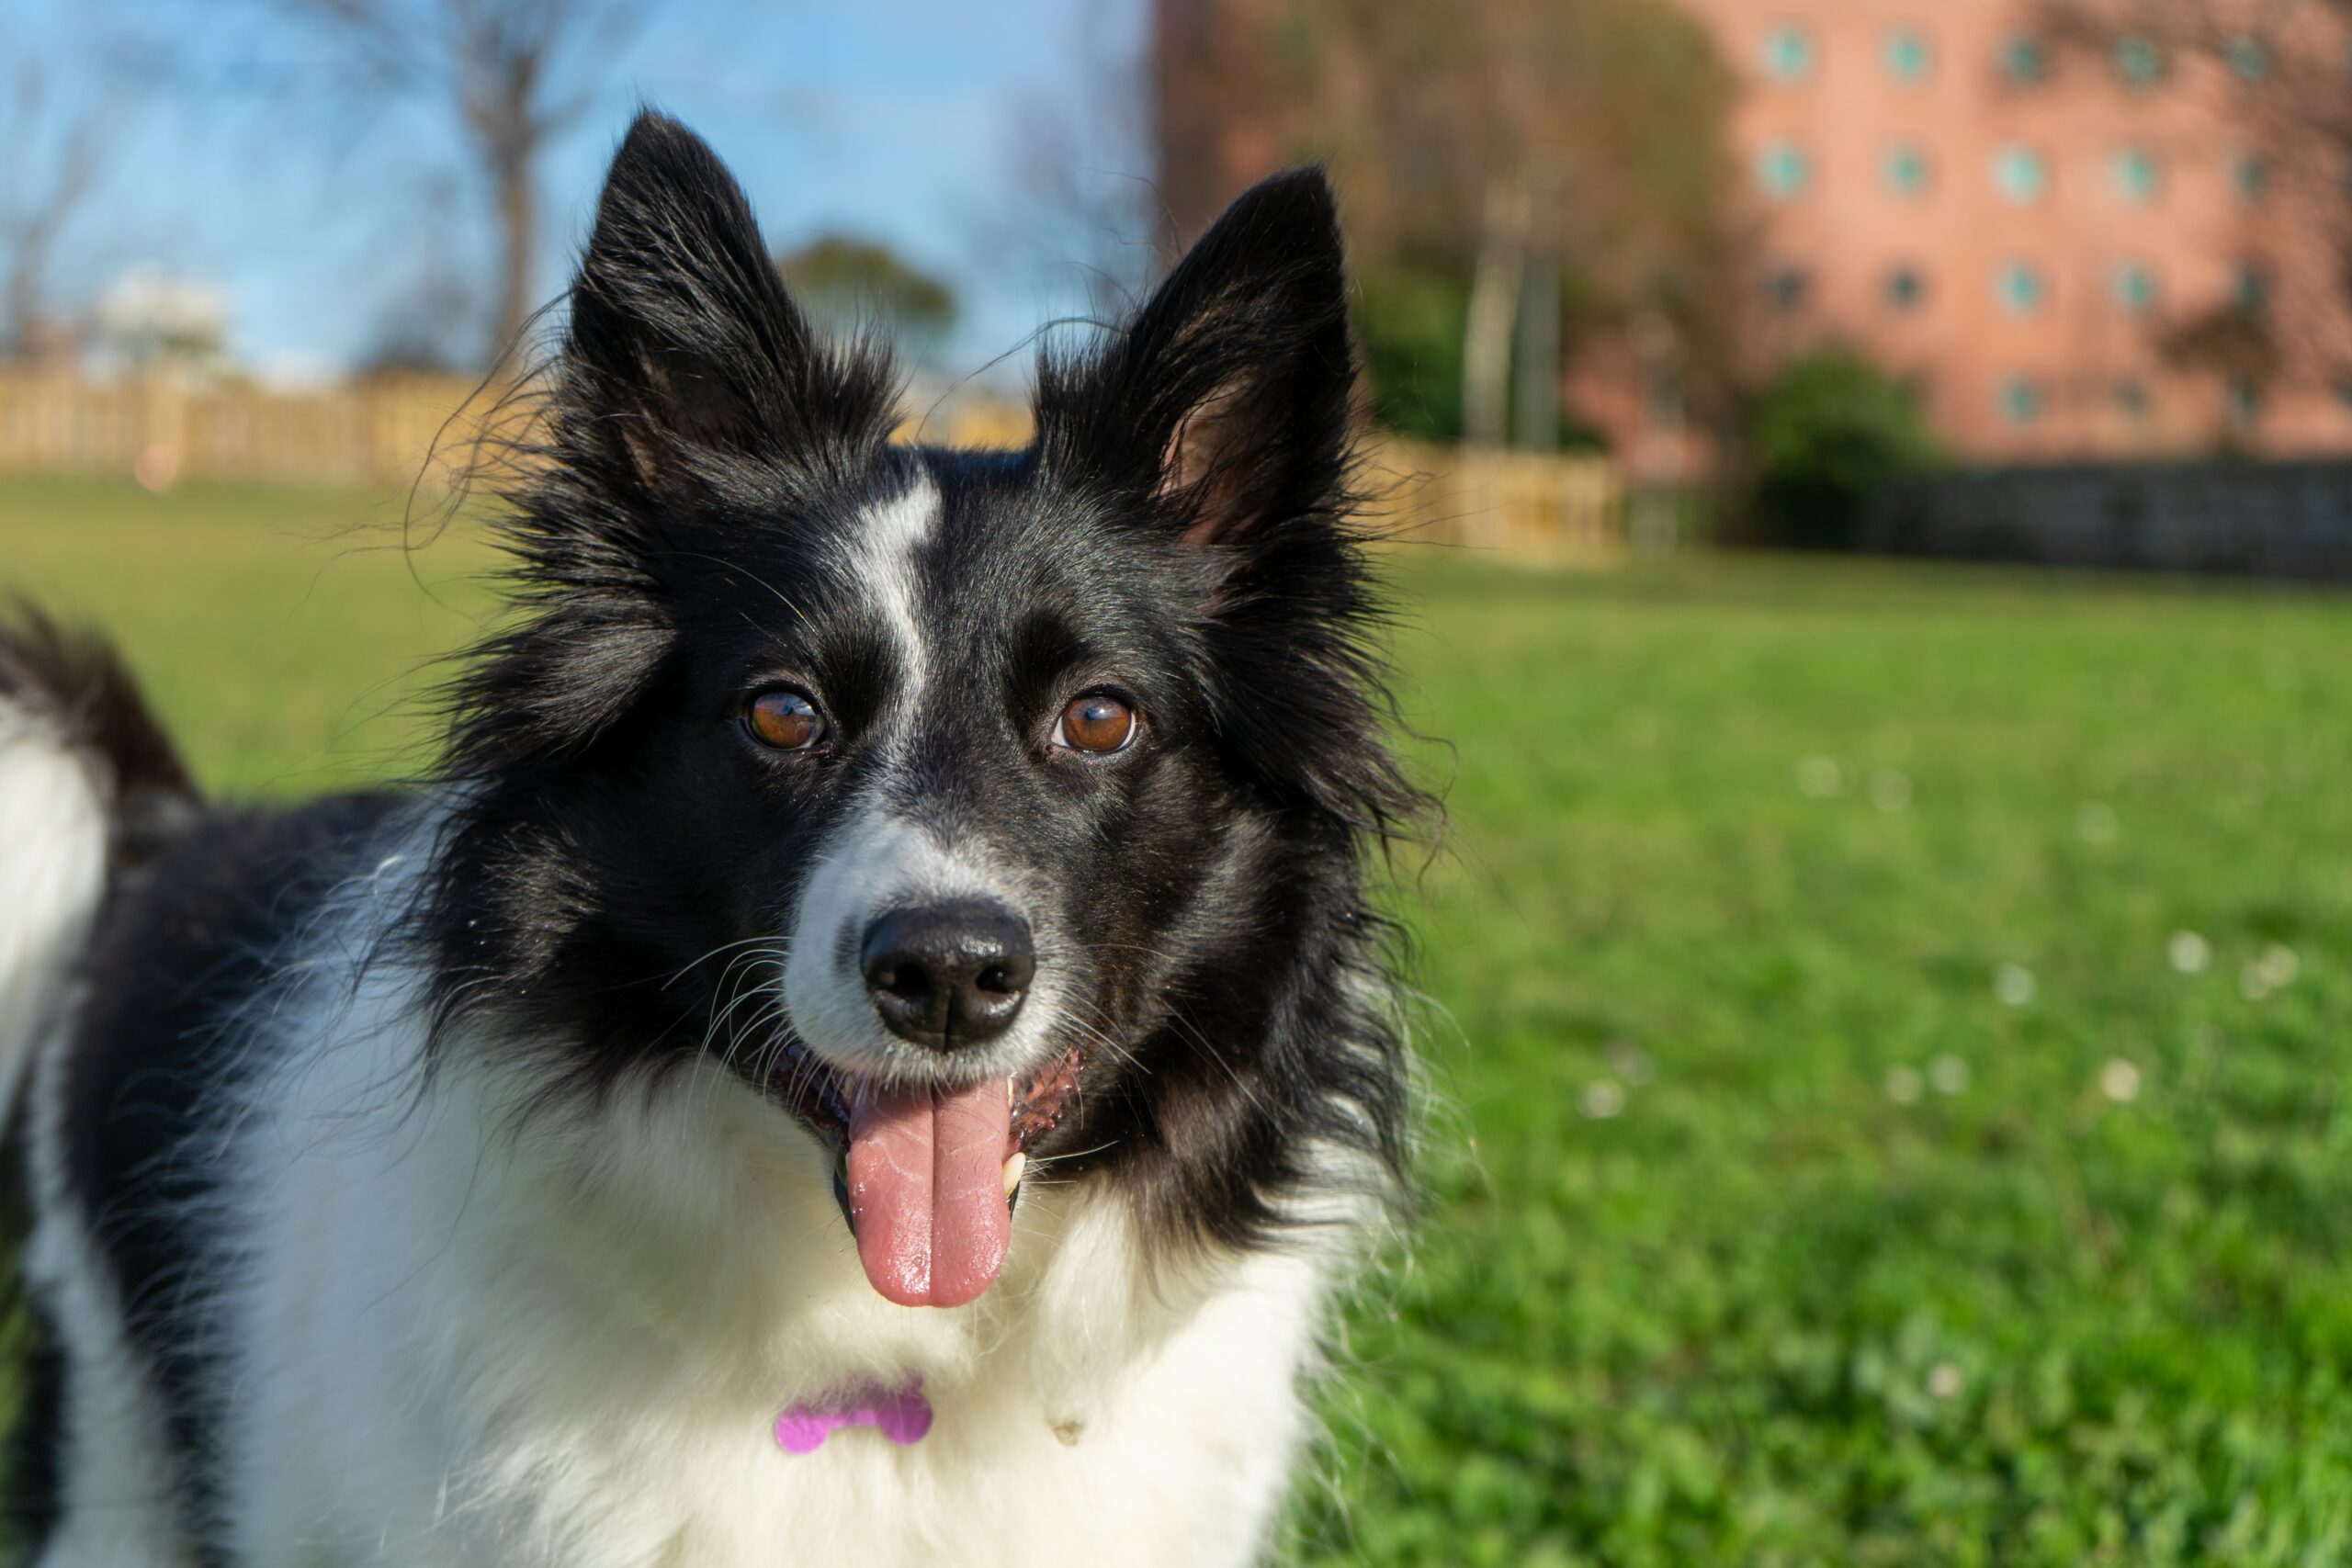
(425, 1179)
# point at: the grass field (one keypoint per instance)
(1888, 1031)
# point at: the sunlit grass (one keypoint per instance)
(1888, 1026)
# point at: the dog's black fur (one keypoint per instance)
(701, 440)
(1179, 532)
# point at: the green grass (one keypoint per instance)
(1763, 1229)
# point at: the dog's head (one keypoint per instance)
(969, 804)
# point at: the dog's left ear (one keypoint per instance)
(1227, 397)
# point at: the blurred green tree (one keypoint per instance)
(847, 283)
(1827, 431)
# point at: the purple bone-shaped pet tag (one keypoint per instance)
(903, 1415)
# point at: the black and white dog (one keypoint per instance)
(863, 878)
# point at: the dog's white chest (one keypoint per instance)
(521, 1383)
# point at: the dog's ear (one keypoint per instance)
(683, 347)
(1227, 397)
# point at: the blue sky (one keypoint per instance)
(900, 120)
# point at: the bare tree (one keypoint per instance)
(1542, 154)
(1082, 208)
(54, 148)
(516, 72)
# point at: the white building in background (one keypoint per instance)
(151, 318)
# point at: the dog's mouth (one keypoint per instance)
(926, 1176)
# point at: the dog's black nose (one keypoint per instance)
(948, 976)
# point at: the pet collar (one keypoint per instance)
(903, 1415)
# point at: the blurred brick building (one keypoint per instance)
(2019, 226)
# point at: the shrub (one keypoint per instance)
(1829, 429)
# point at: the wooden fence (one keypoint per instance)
(1567, 511)
(1556, 511)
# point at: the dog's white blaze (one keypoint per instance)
(881, 558)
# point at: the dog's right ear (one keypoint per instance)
(685, 355)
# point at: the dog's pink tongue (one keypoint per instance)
(926, 1191)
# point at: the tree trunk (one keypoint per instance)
(518, 224)
(1539, 359)
(1494, 306)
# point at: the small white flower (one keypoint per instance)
(1903, 1084)
(2119, 1081)
(2014, 985)
(1949, 1075)
(2190, 953)
(1819, 778)
(1633, 1064)
(1603, 1100)
(1943, 1379)
(1890, 791)
(2278, 966)
(2094, 820)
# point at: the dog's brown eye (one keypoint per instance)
(1097, 723)
(785, 719)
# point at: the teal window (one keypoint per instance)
(2022, 401)
(1908, 170)
(1785, 289)
(2243, 403)
(2139, 61)
(2019, 287)
(1909, 55)
(1782, 170)
(2251, 290)
(2137, 176)
(2250, 174)
(2131, 400)
(1663, 405)
(2249, 58)
(1907, 288)
(2135, 288)
(1787, 53)
(2019, 174)
(2024, 61)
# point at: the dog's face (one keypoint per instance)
(975, 807)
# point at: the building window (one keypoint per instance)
(2019, 174)
(2023, 60)
(2251, 290)
(1787, 53)
(1782, 170)
(2139, 61)
(2019, 287)
(1909, 55)
(2022, 401)
(1908, 170)
(2250, 174)
(1662, 407)
(1907, 288)
(2249, 58)
(2137, 176)
(1785, 288)
(2241, 404)
(2131, 400)
(2135, 288)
